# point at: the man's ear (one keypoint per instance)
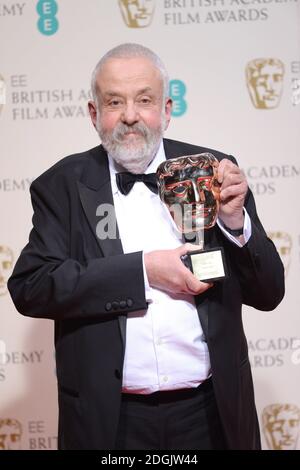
(168, 111)
(93, 112)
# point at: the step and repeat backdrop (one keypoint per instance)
(235, 82)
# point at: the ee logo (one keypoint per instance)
(177, 93)
(47, 23)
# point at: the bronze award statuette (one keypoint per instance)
(189, 188)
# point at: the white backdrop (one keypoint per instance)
(48, 49)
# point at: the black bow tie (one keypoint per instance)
(126, 180)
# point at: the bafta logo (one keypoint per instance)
(283, 243)
(281, 426)
(10, 434)
(137, 13)
(2, 93)
(6, 265)
(264, 80)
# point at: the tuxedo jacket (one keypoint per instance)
(88, 286)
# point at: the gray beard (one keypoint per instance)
(136, 154)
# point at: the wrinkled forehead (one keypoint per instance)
(189, 173)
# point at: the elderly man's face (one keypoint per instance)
(131, 115)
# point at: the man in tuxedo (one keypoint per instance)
(148, 356)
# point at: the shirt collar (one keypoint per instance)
(115, 168)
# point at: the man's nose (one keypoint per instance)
(130, 114)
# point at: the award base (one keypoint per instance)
(206, 265)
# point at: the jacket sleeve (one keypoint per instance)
(259, 267)
(48, 283)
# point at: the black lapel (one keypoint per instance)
(94, 190)
(174, 149)
(171, 150)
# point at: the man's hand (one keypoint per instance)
(166, 271)
(232, 195)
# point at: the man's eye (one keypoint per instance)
(114, 103)
(145, 100)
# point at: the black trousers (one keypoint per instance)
(179, 420)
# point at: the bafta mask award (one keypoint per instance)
(189, 188)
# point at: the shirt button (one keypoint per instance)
(159, 342)
(165, 378)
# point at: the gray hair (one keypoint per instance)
(130, 50)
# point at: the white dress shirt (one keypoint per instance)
(165, 344)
